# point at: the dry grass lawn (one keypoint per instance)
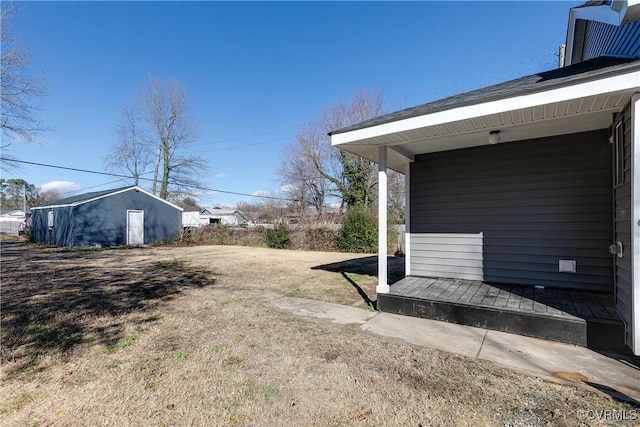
(174, 336)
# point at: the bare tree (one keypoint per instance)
(166, 110)
(157, 129)
(266, 211)
(20, 89)
(46, 197)
(16, 192)
(314, 172)
(299, 169)
(132, 153)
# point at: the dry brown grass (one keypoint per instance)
(171, 336)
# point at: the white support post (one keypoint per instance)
(383, 286)
(635, 224)
(407, 219)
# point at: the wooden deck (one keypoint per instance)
(571, 316)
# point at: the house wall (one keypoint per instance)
(231, 219)
(11, 222)
(606, 39)
(626, 41)
(599, 36)
(508, 213)
(622, 228)
(104, 221)
(62, 232)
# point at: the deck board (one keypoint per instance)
(525, 299)
(572, 316)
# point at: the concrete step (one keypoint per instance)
(607, 335)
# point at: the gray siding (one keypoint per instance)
(508, 213)
(622, 228)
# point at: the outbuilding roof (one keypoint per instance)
(95, 195)
(79, 198)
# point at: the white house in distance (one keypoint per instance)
(230, 217)
(213, 216)
(523, 198)
(11, 221)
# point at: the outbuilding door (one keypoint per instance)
(135, 227)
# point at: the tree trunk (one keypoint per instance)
(164, 188)
(155, 171)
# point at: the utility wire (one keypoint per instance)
(247, 136)
(386, 102)
(472, 77)
(64, 167)
(145, 179)
(241, 146)
(89, 188)
(197, 187)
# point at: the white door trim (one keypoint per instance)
(138, 237)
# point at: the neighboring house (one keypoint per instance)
(600, 28)
(191, 219)
(230, 217)
(510, 223)
(117, 217)
(11, 221)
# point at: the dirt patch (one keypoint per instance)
(571, 376)
(173, 336)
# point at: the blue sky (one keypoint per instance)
(256, 71)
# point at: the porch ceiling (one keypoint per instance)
(574, 104)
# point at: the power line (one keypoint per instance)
(247, 136)
(197, 187)
(145, 179)
(64, 167)
(242, 146)
(494, 71)
(62, 193)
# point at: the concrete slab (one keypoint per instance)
(324, 310)
(607, 373)
(549, 358)
(460, 339)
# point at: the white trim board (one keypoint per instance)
(621, 82)
(124, 190)
(635, 224)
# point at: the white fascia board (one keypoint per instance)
(571, 32)
(142, 190)
(82, 202)
(124, 190)
(581, 90)
(601, 13)
(635, 225)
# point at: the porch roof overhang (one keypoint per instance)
(572, 99)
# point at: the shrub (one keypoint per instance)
(223, 234)
(277, 237)
(319, 239)
(359, 232)
(28, 234)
